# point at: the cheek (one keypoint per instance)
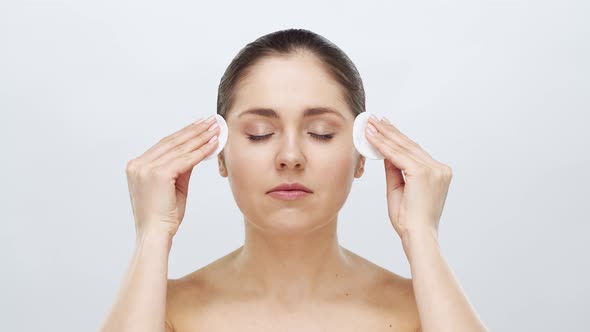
(334, 176)
(242, 165)
(336, 168)
(246, 169)
(245, 175)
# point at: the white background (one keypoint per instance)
(498, 90)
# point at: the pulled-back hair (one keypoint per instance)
(286, 42)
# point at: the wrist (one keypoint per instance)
(413, 241)
(154, 237)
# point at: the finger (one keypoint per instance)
(391, 151)
(412, 147)
(182, 163)
(188, 146)
(395, 184)
(393, 175)
(425, 157)
(391, 132)
(170, 142)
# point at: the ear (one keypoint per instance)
(221, 164)
(360, 166)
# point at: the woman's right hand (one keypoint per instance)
(158, 179)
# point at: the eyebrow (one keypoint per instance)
(270, 113)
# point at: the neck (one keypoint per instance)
(289, 267)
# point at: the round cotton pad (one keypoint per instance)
(361, 143)
(222, 137)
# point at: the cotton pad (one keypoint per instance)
(361, 143)
(222, 137)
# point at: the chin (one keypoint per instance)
(287, 222)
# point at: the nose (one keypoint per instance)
(290, 155)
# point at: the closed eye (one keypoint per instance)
(259, 138)
(316, 136)
(322, 137)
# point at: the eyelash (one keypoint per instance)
(316, 136)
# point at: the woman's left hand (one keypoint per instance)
(415, 204)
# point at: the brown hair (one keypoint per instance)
(285, 42)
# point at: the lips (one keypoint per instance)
(288, 195)
(290, 187)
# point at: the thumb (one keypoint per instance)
(183, 181)
(394, 183)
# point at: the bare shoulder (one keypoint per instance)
(180, 296)
(193, 295)
(390, 293)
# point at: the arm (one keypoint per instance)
(141, 302)
(158, 183)
(417, 187)
(441, 303)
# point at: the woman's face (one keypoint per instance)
(314, 149)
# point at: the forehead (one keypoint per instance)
(289, 84)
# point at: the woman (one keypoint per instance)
(290, 99)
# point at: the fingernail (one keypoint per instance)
(371, 129)
(213, 126)
(212, 139)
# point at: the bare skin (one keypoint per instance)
(291, 274)
(362, 297)
(290, 123)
